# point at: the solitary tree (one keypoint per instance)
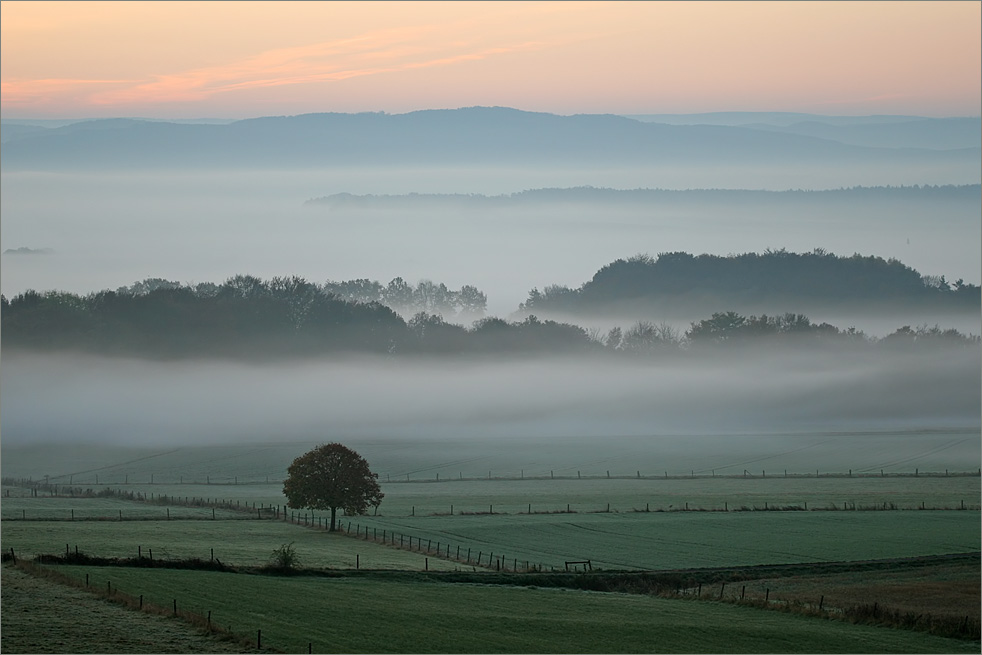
(332, 476)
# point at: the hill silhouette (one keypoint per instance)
(474, 135)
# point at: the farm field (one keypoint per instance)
(512, 519)
(892, 451)
(61, 508)
(627, 495)
(235, 543)
(611, 540)
(668, 540)
(943, 588)
(369, 615)
(586, 495)
(78, 622)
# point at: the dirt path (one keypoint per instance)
(42, 616)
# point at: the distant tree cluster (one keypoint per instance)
(243, 316)
(466, 304)
(249, 317)
(774, 276)
(246, 317)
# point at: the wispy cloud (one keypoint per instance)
(375, 53)
(29, 93)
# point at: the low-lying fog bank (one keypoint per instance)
(87, 399)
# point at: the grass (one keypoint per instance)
(894, 452)
(370, 615)
(41, 616)
(611, 540)
(110, 509)
(592, 495)
(945, 589)
(626, 495)
(235, 543)
(668, 540)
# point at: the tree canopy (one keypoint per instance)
(288, 318)
(332, 477)
(819, 277)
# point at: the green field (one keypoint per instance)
(663, 540)
(367, 615)
(652, 456)
(627, 495)
(611, 540)
(592, 494)
(235, 543)
(60, 508)
(526, 511)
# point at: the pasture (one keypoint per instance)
(670, 540)
(234, 543)
(391, 616)
(226, 502)
(426, 459)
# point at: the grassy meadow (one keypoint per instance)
(424, 459)
(369, 615)
(199, 503)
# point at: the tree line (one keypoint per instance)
(775, 275)
(289, 316)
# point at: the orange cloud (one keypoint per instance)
(386, 51)
(29, 93)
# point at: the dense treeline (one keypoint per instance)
(251, 318)
(467, 304)
(775, 276)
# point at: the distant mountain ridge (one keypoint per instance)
(474, 135)
(583, 195)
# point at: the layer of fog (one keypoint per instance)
(84, 399)
(110, 231)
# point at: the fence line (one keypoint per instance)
(403, 478)
(114, 594)
(966, 627)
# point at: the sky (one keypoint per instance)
(244, 59)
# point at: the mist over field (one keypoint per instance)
(106, 231)
(85, 399)
(539, 200)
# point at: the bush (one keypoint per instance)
(284, 558)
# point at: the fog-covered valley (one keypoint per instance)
(506, 227)
(106, 231)
(69, 398)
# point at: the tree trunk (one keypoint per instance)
(334, 511)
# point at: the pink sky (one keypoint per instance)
(240, 59)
